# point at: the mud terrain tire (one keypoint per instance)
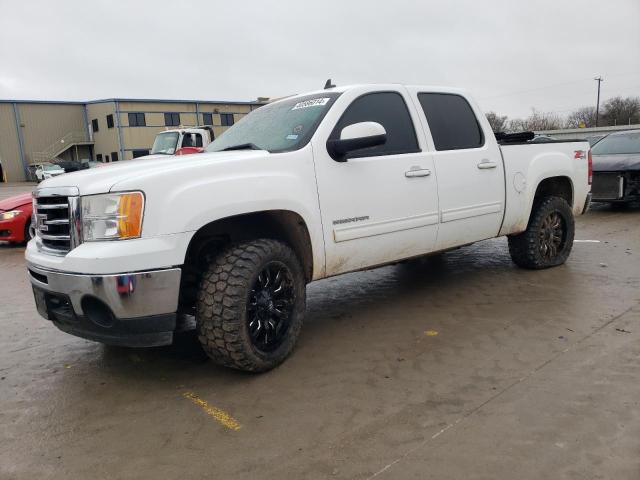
(250, 290)
(548, 239)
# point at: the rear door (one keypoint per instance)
(381, 204)
(469, 166)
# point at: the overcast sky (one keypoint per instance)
(512, 55)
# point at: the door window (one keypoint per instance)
(389, 110)
(451, 120)
(192, 140)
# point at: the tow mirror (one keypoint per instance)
(355, 137)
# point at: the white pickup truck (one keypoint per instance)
(180, 141)
(304, 188)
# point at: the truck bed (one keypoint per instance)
(526, 164)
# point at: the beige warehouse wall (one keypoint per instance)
(9, 145)
(141, 138)
(156, 119)
(45, 124)
(157, 107)
(224, 107)
(106, 139)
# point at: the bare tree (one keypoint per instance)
(621, 111)
(582, 117)
(536, 121)
(498, 122)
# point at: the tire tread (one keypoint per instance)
(221, 305)
(523, 247)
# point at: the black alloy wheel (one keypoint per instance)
(250, 305)
(548, 239)
(270, 306)
(552, 236)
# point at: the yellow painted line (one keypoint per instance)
(220, 415)
(431, 333)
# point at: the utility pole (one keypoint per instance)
(599, 80)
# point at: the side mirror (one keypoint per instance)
(355, 137)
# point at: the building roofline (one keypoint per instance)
(142, 100)
(161, 100)
(54, 102)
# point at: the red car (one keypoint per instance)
(15, 219)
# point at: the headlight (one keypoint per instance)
(112, 216)
(10, 215)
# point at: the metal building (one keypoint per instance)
(34, 132)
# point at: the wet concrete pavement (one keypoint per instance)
(462, 366)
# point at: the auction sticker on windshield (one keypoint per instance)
(316, 102)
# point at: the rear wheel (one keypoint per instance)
(548, 239)
(251, 304)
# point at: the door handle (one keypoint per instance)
(486, 164)
(417, 172)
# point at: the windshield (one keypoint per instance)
(165, 143)
(618, 144)
(278, 127)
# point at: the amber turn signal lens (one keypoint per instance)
(130, 215)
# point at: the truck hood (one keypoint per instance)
(105, 179)
(15, 202)
(616, 163)
(155, 156)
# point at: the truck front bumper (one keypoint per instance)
(130, 309)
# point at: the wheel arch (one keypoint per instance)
(552, 186)
(284, 225)
(556, 186)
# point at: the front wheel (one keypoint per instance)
(548, 239)
(251, 304)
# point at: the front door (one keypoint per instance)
(381, 205)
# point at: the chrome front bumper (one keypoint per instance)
(130, 309)
(128, 295)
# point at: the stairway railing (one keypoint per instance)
(58, 147)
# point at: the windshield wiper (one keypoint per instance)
(242, 146)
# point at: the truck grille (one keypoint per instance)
(52, 222)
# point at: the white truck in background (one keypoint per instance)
(311, 186)
(181, 141)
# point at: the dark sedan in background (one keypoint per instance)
(616, 168)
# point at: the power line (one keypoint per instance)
(571, 109)
(553, 86)
(532, 90)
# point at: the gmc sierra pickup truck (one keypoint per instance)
(310, 186)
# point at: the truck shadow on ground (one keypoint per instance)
(362, 300)
(630, 208)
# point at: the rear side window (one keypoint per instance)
(390, 111)
(452, 122)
